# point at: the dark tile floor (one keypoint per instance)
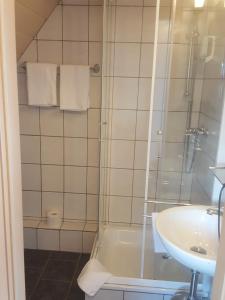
(52, 275)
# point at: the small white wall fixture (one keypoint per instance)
(12, 284)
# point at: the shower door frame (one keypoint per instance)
(12, 283)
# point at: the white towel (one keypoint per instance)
(74, 87)
(41, 84)
(158, 245)
(92, 277)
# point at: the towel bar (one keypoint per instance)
(95, 69)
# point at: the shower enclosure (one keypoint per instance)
(162, 108)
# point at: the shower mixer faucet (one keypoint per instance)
(196, 131)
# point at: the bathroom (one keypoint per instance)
(112, 130)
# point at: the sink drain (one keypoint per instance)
(199, 250)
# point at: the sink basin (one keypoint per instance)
(190, 236)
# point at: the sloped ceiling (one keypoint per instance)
(30, 15)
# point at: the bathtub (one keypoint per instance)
(119, 250)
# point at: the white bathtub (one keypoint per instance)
(119, 250)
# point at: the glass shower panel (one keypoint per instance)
(193, 83)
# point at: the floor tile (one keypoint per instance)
(31, 277)
(75, 293)
(59, 270)
(65, 255)
(82, 262)
(36, 258)
(51, 290)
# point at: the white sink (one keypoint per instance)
(182, 228)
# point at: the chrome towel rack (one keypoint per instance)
(95, 69)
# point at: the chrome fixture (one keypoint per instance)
(95, 69)
(196, 131)
(214, 211)
(199, 250)
(192, 295)
(217, 167)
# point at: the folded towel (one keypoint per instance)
(92, 277)
(158, 245)
(74, 87)
(41, 84)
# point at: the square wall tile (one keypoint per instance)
(168, 185)
(48, 239)
(52, 178)
(51, 122)
(75, 2)
(92, 207)
(92, 180)
(75, 179)
(122, 154)
(142, 125)
(179, 61)
(50, 52)
(139, 183)
(71, 241)
(127, 56)
(30, 149)
(95, 23)
(52, 150)
(95, 92)
(29, 120)
(125, 93)
(141, 155)
(30, 54)
(75, 206)
(177, 101)
(149, 24)
(138, 210)
(176, 133)
(146, 60)
(173, 157)
(75, 53)
(93, 152)
(93, 123)
(121, 181)
(120, 209)
(52, 201)
(144, 97)
(31, 204)
(75, 23)
(31, 177)
(30, 238)
(88, 241)
(130, 2)
(128, 24)
(22, 87)
(75, 124)
(75, 151)
(123, 124)
(95, 55)
(52, 28)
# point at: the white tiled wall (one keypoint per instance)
(211, 109)
(127, 103)
(60, 149)
(70, 236)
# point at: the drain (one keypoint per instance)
(199, 250)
